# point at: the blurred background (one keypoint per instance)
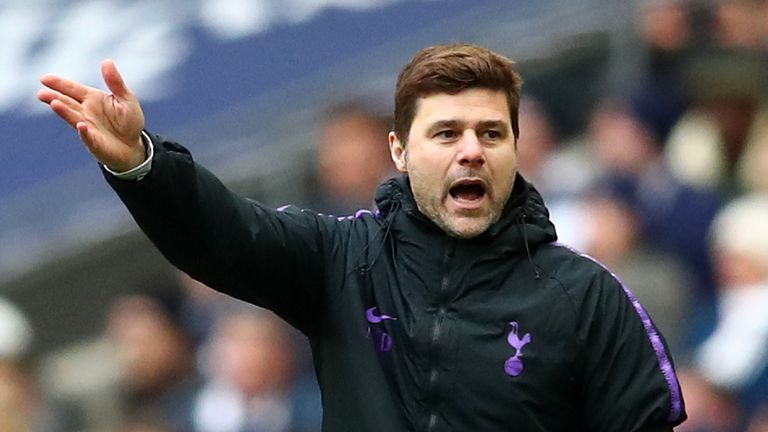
(644, 125)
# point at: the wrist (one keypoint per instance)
(138, 172)
(138, 156)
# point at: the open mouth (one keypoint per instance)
(469, 191)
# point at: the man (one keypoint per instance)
(449, 308)
(351, 160)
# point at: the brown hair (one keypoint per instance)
(451, 69)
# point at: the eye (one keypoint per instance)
(447, 134)
(492, 134)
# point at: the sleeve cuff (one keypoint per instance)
(139, 172)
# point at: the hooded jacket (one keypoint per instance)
(414, 330)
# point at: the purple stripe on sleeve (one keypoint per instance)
(661, 354)
(653, 335)
(359, 214)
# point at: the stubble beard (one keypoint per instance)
(431, 204)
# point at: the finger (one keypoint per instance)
(114, 80)
(85, 134)
(48, 96)
(65, 86)
(92, 138)
(69, 115)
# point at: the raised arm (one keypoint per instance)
(108, 124)
(274, 259)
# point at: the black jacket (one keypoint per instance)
(413, 330)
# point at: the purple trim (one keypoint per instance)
(661, 354)
(359, 214)
(576, 251)
(665, 364)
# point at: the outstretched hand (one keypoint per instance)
(109, 125)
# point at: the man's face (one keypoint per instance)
(461, 158)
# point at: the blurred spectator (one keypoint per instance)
(707, 146)
(665, 24)
(754, 166)
(614, 237)
(673, 217)
(352, 156)
(557, 171)
(670, 29)
(667, 28)
(201, 307)
(18, 399)
(709, 409)
(734, 359)
(536, 146)
(22, 408)
(155, 357)
(17, 393)
(621, 141)
(146, 423)
(251, 378)
(15, 332)
(760, 421)
(742, 24)
(560, 172)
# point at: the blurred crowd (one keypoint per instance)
(667, 184)
(172, 358)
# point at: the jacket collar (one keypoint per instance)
(524, 217)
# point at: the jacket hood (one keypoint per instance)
(524, 222)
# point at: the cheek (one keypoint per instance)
(503, 166)
(432, 165)
(427, 186)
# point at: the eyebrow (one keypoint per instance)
(453, 124)
(493, 124)
(443, 124)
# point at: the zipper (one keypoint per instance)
(432, 421)
(437, 326)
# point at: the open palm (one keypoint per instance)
(108, 124)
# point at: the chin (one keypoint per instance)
(466, 229)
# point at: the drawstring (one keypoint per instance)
(385, 228)
(527, 247)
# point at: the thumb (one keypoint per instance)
(114, 80)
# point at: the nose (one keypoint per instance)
(471, 152)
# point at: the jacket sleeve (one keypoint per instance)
(266, 257)
(628, 381)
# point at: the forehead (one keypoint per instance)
(471, 105)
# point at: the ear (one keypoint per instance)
(398, 153)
